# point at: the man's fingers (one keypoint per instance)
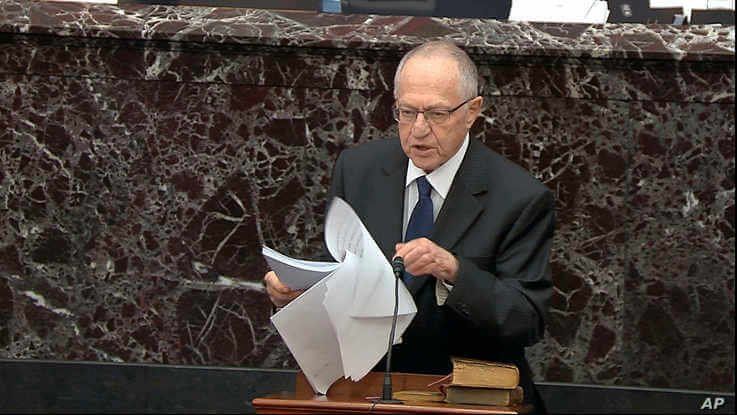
(416, 254)
(420, 264)
(423, 257)
(405, 249)
(280, 299)
(278, 293)
(271, 280)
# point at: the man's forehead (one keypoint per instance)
(425, 76)
(432, 62)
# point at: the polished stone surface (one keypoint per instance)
(149, 151)
(308, 29)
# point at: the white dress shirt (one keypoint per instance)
(440, 180)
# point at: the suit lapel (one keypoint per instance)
(386, 213)
(461, 206)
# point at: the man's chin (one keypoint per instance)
(427, 165)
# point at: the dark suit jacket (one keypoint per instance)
(498, 220)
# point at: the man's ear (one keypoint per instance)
(474, 110)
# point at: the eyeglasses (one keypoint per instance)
(433, 116)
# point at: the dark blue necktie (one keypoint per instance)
(421, 222)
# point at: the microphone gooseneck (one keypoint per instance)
(386, 395)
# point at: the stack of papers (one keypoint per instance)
(340, 326)
(559, 11)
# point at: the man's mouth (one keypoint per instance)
(421, 148)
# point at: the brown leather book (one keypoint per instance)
(480, 373)
(418, 396)
(472, 381)
(483, 396)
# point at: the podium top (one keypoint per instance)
(346, 396)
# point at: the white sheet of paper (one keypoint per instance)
(341, 326)
(360, 300)
(305, 327)
(598, 14)
(297, 274)
(549, 11)
(696, 4)
(363, 333)
(557, 11)
(374, 292)
(343, 230)
(720, 4)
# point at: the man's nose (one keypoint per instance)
(420, 127)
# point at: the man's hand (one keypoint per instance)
(422, 257)
(279, 294)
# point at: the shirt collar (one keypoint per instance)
(441, 178)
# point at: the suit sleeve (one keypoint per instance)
(510, 303)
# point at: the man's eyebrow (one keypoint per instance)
(430, 108)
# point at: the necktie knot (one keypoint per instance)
(423, 187)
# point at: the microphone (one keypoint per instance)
(386, 393)
(398, 267)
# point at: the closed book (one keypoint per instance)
(472, 372)
(483, 396)
(418, 396)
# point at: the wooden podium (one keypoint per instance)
(346, 396)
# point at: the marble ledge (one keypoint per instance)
(356, 32)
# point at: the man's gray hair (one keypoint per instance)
(467, 73)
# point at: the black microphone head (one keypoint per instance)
(398, 265)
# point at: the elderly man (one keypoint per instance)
(473, 228)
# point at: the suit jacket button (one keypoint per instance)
(464, 310)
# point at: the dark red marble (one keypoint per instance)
(683, 252)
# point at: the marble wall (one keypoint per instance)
(148, 152)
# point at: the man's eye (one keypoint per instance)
(436, 115)
(407, 113)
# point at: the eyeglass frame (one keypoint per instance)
(448, 113)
